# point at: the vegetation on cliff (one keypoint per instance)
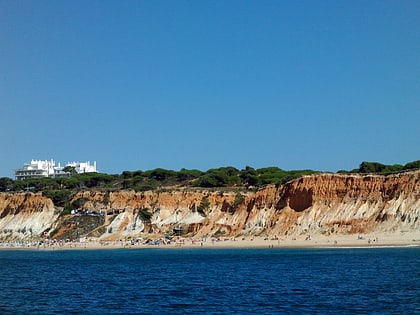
(378, 168)
(157, 178)
(61, 190)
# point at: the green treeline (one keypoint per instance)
(378, 168)
(155, 179)
(60, 189)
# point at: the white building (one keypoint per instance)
(45, 168)
(83, 167)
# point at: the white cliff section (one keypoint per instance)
(398, 213)
(26, 226)
(192, 217)
(167, 215)
(113, 227)
(125, 225)
(180, 215)
(135, 227)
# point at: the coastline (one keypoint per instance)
(375, 240)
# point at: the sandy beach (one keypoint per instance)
(333, 241)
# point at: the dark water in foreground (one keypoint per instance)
(215, 281)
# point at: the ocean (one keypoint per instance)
(211, 281)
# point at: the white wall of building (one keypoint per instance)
(48, 168)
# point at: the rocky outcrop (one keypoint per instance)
(318, 204)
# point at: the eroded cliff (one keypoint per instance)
(319, 204)
(25, 215)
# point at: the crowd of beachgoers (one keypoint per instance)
(411, 239)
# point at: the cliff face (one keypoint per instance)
(25, 216)
(352, 204)
(318, 204)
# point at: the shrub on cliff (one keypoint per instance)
(91, 180)
(160, 174)
(271, 175)
(186, 175)
(60, 198)
(378, 168)
(6, 184)
(146, 185)
(412, 165)
(79, 202)
(204, 206)
(145, 215)
(220, 177)
(239, 198)
(249, 177)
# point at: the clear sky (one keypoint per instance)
(137, 85)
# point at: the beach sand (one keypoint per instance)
(304, 241)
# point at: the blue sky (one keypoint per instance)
(137, 85)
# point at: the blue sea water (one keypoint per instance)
(211, 281)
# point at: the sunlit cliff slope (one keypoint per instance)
(324, 204)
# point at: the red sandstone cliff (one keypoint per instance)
(318, 204)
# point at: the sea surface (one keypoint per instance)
(211, 281)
